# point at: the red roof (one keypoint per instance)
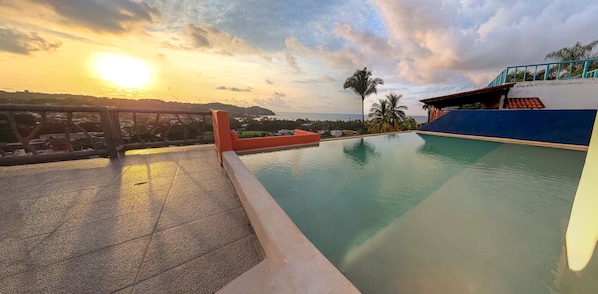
(525, 103)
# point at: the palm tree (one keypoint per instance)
(362, 83)
(397, 112)
(361, 152)
(409, 124)
(575, 52)
(380, 115)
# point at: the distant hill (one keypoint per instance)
(84, 100)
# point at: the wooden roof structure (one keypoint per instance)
(483, 95)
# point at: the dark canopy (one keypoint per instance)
(487, 96)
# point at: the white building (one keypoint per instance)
(336, 133)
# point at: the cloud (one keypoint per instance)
(207, 36)
(366, 40)
(117, 17)
(277, 102)
(235, 101)
(344, 58)
(262, 23)
(273, 103)
(292, 62)
(326, 79)
(199, 36)
(265, 24)
(448, 41)
(17, 42)
(269, 82)
(65, 35)
(453, 42)
(233, 89)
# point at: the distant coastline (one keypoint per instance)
(330, 116)
(27, 97)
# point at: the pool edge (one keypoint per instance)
(508, 141)
(292, 264)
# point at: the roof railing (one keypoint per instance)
(565, 70)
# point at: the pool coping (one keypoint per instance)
(277, 148)
(292, 264)
(508, 141)
(365, 135)
(314, 144)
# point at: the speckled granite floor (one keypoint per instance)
(155, 220)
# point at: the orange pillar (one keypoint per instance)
(222, 138)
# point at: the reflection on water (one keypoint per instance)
(360, 152)
(434, 215)
(455, 149)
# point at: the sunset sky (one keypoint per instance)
(285, 55)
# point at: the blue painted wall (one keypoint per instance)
(555, 126)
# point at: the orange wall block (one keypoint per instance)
(300, 137)
(226, 140)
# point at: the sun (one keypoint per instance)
(124, 71)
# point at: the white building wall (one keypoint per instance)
(563, 94)
(336, 133)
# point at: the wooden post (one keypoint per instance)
(108, 128)
(118, 138)
(67, 131)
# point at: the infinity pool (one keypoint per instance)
(411, 213)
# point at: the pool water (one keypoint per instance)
(412, 213)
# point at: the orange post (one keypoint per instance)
(222, 139)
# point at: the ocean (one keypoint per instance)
(332, 116)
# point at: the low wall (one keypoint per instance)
(572, 127)
(300, 137)
(293, 264)
(226, 140)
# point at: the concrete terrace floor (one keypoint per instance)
(155, 220)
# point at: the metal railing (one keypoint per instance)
(41, 133)
(574, 69)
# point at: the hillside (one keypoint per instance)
(83, 100)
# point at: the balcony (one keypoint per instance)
(564, 70)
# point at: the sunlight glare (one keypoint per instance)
(122, 70)
(582, 230)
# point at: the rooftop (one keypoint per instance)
(473, 96)
(156, 220)
(525, 103)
